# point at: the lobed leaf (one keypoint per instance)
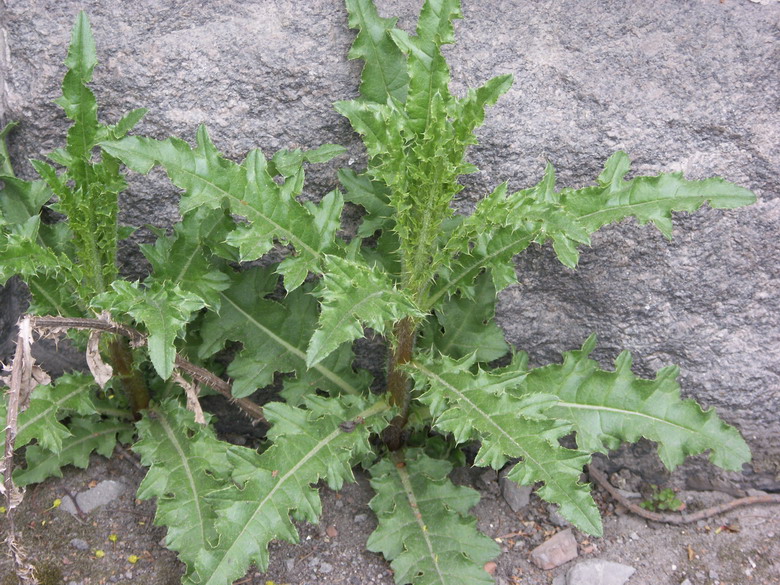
(425, 529)
(465, 326)
(308, 445)
(648, 199)
(384, 72)
(164, 309)
(271, 210)
(186, 464)
(609, 408)
(87, 436)
(353, 295)
(481, 406)
(275, 335)
(186, 259)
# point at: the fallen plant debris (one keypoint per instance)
(681, 517)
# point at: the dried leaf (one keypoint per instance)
(100, 370)
(191, 391)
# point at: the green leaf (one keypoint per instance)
(164, 309)
(465, 326)
(372, 196)
(482, 406)
(425, 529)
(278, 333)
(184, 469)
(40, 421)
(648, 198)
(77, 99)
(271, 210)
(185, 258)
(308, 446)
(20, 200)
(22, 252)
(353, 295)
(87, 436)
(6, 168)
(429, 74)
(490, 250)
(608, 408)
(384, 72)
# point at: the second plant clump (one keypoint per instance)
(417, 273)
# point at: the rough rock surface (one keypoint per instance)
(680, 86)
(556, 551)
(599, 572)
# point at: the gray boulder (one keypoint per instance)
(679, 86)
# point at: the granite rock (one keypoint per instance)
(681, 86)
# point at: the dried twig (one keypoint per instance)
(21, 385)
(56, 325)
(682, 517)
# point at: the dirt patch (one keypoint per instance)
(742, 547)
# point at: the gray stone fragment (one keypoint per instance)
(79, 544)
(556, 551)
(325, 567)
(103, 493)
(517, 496)
(599, 572)
(360, 517)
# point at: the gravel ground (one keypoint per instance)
(741, 547)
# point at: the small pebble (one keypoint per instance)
(714, 575)
(633, 536)
(360, 517)
(491, 567)
(332, 531)
(289, 564)
(325, 567)
(79, 544)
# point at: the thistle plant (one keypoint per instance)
(419, 275)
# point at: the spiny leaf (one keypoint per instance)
(490, 250)
(279, 332)
(384, 72)
(648, 198)
(465, 326)
(608, 408)
(185, 258)
(87, 436)
(272, 212)
(481, 406)
(353, 295)
(308, 445)
(186, 464)
(373, 196)
(429, 74)
(163, 308)
(424, 525)
(40, 421)
(23, 253)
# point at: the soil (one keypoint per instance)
(741, 547)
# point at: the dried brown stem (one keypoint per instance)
(398, 382)
(21, 385)
(682, 517)
(138, 339)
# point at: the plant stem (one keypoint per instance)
(132, 383)
(398, 383)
